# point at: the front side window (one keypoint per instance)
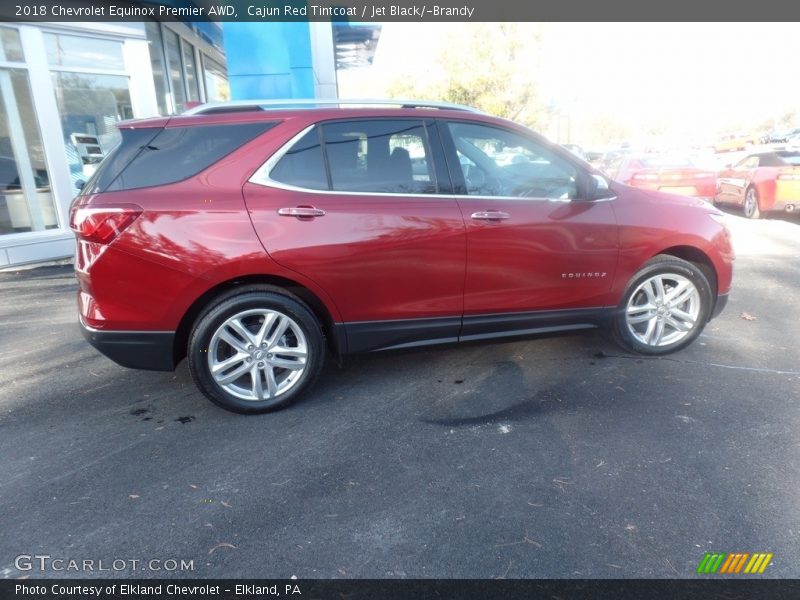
(497, 162)
(751, 162)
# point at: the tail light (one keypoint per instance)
(102, 224)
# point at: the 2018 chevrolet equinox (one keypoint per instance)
(254, 239)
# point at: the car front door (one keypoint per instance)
(537, 252)
(363, 208)
(732, 183)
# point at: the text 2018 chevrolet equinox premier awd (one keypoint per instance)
(255, 239)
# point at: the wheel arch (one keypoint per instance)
(332, 334)
(698, 258)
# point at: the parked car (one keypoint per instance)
(781, 136)
(762, 182)
(736, 141)
(254, 241)
(672, 174)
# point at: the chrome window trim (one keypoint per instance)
(262, 177)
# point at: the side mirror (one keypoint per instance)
(597, 187)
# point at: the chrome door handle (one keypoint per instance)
(301, 211)
(491, 215)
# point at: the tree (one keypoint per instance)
(491, 66)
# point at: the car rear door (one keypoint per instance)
(537, 254)
(356, 205)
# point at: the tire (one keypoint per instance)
(750, 207)
(231, 350)
(634, 318)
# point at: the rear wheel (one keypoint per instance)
(665, 307)
(751, 208)
(256, 351)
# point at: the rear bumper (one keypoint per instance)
(150, 350)
(719, 306)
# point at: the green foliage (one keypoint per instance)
(491, 66)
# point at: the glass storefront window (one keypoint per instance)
(10, 45)
(191, 71)
(153, 31)
(217, 87)
(89, 106)
(175, 69)
(83, 52)
(26, 200)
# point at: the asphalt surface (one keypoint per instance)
(557, 457)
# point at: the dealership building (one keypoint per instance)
(63, 86)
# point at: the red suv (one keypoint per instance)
(255, 239)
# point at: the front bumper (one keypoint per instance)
(149, 350)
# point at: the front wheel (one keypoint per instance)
(255, 351)
(665, 307)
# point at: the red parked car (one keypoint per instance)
(254, 240)
(762, 182)
(674, 175)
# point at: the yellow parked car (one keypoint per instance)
(736, 141)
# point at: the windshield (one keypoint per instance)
(790, 158)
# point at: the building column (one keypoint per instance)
(280, 60)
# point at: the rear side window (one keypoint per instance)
(372, 155)
(379, 156)
(169, 155)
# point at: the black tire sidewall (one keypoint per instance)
(211, 319)
(663, 265)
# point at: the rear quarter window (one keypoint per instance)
(177, 153)
(303, 165)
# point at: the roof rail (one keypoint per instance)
(273, 104)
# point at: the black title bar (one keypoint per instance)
(396, 10)
(731, 588)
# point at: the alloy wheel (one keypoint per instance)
(663, 310)
(258, 354)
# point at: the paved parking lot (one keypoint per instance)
(560, 457)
